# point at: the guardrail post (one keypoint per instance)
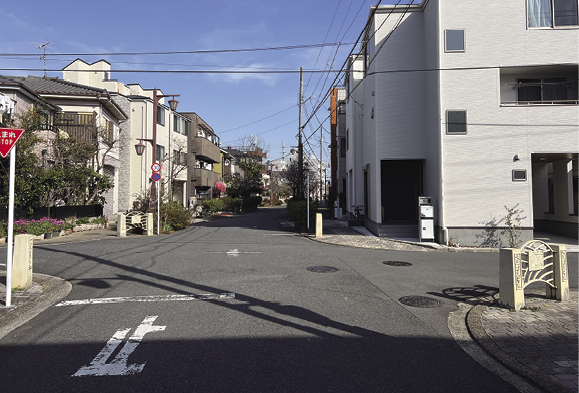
(560, 274)
(511, 286)
(22, 262)
(121, 225)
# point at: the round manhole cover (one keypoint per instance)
(419, 301)
(397, 263)
(322, 269)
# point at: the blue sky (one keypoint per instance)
(225, 101)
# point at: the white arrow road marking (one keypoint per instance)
(115, 300)
(118, 366)
(232, 253)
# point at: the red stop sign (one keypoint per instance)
(8, 138)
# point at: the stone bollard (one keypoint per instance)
(121, 225)
(560, 273)
(150, 224)
(319, 224)
(511, 289)
(22, 262)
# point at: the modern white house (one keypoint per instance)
(474, 104)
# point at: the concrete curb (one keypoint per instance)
(479, 334)
(54, 289)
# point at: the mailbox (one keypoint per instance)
(425, 219)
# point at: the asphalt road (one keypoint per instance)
(264, 323)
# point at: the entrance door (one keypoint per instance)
(402, 184)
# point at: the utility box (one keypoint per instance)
(425, 219)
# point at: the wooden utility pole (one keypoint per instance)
(300, 145)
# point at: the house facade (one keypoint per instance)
(88, 115)
(480, 116)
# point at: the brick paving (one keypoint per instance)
(542, 337)
(18, 298)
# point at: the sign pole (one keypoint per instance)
(10, 228)
(158, 208)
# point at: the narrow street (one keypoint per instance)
(230, 305)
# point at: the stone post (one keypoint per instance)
(121, 225)
(22, 262)
(560, 274)
(511, 286)
(150, 224)
(319, 224)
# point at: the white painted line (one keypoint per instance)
(118, 366)
(158, 298)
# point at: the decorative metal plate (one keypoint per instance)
(396, 263)
(322, 269)
(419, 301)
(536, 260)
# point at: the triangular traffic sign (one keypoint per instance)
(8, 138)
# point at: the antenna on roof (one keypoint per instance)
(45, 53)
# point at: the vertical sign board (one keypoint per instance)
(8, 139)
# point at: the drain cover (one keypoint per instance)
(322, 269)
(396, 263)
(419, 301)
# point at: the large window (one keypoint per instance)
(179, 125)
(160, 152)
(551, 13)
(546, 90)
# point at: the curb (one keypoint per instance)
(474, 324)
(54, 289)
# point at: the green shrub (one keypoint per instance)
(176, 216)
(213, 205)
(82, 220)
(251, 203)
(297, 212)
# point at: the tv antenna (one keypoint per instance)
(44, 54)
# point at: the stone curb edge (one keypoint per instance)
(54, 289)
(474, 324)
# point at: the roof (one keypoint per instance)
(54, 85)
(10, 83)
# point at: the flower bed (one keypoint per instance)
(34, 227)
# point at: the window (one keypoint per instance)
(342, 147)
(178, 157)
(519, 175)
(160, 152)
(454, 40)
(455, 122)
(160, 115)
(551, 13)
(542, 90)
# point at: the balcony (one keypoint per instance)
(543, 85)
(203, 177)
(80, 127)
(205, 149)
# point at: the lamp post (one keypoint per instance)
(140, 147)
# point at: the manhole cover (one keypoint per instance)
(322, 269)
(419, 301)
(397, 263)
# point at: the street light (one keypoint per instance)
(140, 147)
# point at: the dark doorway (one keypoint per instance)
(402, 184)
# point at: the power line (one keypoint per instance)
(177, 71)
(257, 121)
(289, 47)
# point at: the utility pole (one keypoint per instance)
(321, 158)
(300, 145)
(271, 183)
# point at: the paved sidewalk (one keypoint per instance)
(539, 342)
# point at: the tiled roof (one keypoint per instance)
(54, 85)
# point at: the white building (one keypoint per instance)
(473, 104)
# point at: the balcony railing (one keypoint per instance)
(203, 177)
(80, 127)
(206, 149)
(543, 91)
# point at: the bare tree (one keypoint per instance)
(253, 146)
(177, 163)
